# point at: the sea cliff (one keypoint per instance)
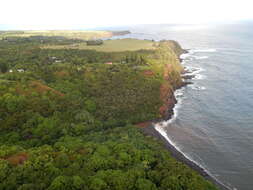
(173, 75)
(167, 59)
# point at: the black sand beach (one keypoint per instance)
(151, 131)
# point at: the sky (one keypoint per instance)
(84, 14)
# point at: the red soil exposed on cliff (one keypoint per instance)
(37, 86)
(168, 99)
(41, 88)
(166, 95)
(148, 73)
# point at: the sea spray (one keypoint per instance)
(202, 50)
(200, 57)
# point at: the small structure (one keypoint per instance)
(21, 70)
(108, 63)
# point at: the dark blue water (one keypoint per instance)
(214, 117)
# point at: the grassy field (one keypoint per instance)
(72, 34)
(110, 45)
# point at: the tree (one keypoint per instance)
(62, 160)
(98, 184)
(60, 183)
(3, 67)
(145, 184)
(90, 105)
(171, 182)
(4, 171)
(27, 187)
(78, 183)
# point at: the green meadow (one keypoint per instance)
(109, 45)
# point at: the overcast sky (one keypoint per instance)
(73, 14)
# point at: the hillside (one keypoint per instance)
(68, 117)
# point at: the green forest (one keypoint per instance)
(68, 118)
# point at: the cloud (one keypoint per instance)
(61, 14)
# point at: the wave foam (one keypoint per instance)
(201, 57)
(193, 70)
(185, 55)
(160, 128)
(190, 55)
(183, 62)
(179, 97)
(194, 87)
(202, 50)
(199, 77)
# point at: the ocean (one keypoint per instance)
(213, 120)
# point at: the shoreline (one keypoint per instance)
(149, 129)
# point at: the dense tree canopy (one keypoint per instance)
(67, 120)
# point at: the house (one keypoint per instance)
(108, 63)
(21, 70)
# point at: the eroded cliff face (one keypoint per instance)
(169, 101)
(172, 79)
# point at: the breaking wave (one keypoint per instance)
(195, 87)
(201, 57)
(190, 54)
(202, 50)
(199, 77)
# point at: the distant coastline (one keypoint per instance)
(120, 32)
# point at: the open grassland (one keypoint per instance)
(109, 45)
(71, 34)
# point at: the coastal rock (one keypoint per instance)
(185, 83)
(187, 77)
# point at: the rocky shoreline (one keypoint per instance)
(148, 128)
